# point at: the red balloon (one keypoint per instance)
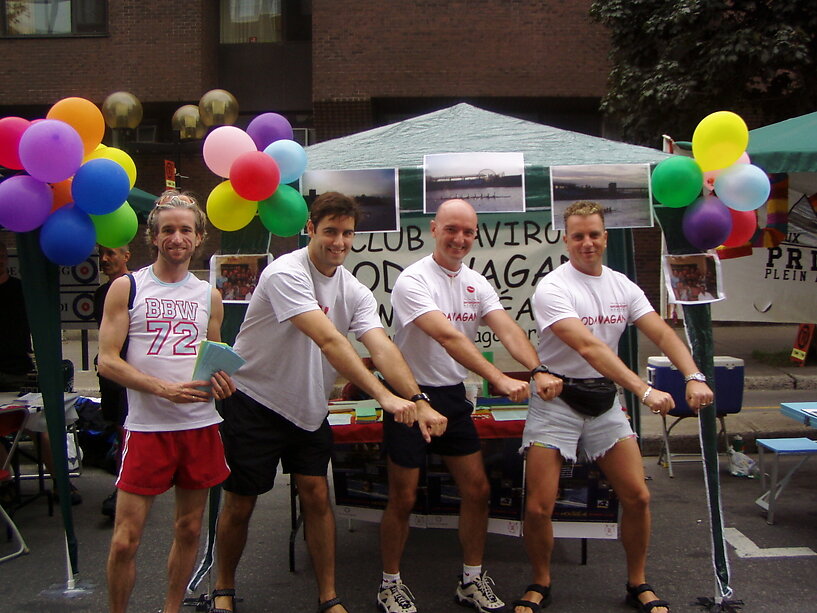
(11, 129)
(254, 175)
(744, 225)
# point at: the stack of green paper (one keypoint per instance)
(366, 410)
(214, 356)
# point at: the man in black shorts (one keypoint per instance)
(294, 341)
(438, 305)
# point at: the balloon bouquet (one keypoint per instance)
(257, 164)
(74, 188)
(732, 187)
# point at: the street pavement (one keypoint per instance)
(772, 567)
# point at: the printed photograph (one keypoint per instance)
(375, 190)
(693, 279)
(623, 190)
(236, 276)
(490, 182)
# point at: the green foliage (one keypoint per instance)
(676, 61)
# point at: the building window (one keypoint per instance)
(265, 21)
(54, 17)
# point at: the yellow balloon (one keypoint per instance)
(719, 140)
(227, 210)
(118, 156)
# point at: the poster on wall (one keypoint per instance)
(236, 276)
(693, 278)
(491, 182)
(376, 191)
(623, 191)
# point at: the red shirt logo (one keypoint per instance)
(470, 289)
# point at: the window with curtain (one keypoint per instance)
(251, 21)
(54, 17)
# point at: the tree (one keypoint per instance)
(676, 61)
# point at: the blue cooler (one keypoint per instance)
(662, 375)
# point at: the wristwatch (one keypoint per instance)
(420, 396)
(696, 376)
(538, 369)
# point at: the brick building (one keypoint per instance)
(333, 67)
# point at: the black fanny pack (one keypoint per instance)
(588, 396)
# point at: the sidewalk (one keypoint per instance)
(765, 386)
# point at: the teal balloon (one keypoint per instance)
(677, 181)
(290, 157)
(285, 212)
(116, 229)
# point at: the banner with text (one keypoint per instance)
(513, 251)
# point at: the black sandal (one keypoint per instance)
(534, 607)
(228, 592)
(643, 607)
(325, 606)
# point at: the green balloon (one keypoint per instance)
(285, 212)
(677, 181)
(116, 229)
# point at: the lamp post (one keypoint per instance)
(121, 110)
(187, 122)
(218, 107)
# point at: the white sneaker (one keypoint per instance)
(396, 598)
(479, 595)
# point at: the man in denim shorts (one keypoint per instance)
(438, 305)
(581, 310)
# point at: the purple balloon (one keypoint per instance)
(51, 150)
(707, 223)
(25, 203)
(68, 237)
(268, 128)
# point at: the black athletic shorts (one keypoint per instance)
(256, 438)
(406, 447)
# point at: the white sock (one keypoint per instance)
(469, 573)
(389, 579)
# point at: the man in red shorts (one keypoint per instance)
(172, 437)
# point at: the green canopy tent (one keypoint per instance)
(787, 146)
(466, 128)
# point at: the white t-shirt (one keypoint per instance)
(167, 323)
(605, 304)
(464, 298)
(285, 370)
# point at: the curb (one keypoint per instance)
(781, 381)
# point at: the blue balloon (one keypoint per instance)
(68, 236)
(290, 157)
(100, 186)
(743, 187)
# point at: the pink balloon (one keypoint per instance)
(223, 145)
(711, 175)
(51, 150)
(11, 130)
(25, 203)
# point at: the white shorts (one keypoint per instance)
(554, 424)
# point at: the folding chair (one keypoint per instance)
(12, 422)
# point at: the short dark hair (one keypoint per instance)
(584, 208)
(333, 204)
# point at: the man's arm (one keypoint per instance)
(698, 393)
(389, 361)
(340, 353)
(463, 350)
(514, 339)
(222, 383)
(112, 334)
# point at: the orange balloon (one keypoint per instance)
(82, 115)
(62, 193)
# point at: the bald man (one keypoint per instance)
(439, 303)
